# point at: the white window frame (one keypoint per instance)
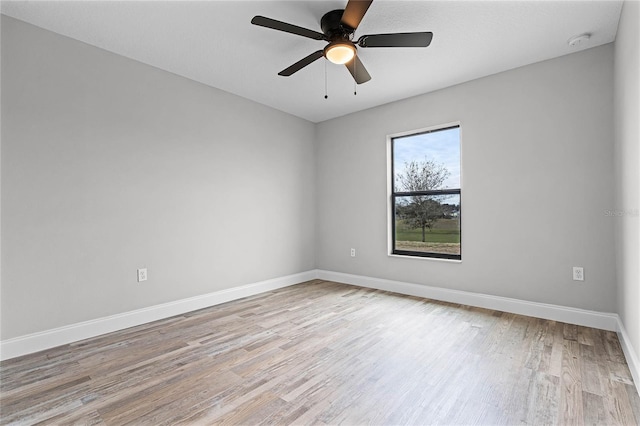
(390, 199)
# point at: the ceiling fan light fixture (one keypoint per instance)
(338, 28)
(340, 52)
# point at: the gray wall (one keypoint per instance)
(109, 165)
(627, 164)
(537, 164)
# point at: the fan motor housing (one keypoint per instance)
(333, 28)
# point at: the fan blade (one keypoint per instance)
(357, 70)
(354, 12)
(396, 40)
(301, 63)
(287, 28)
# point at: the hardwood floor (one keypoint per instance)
(327, 353)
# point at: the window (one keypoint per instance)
(425, 193)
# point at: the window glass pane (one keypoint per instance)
(428, 223)
(437, 151)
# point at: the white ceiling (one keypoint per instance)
(214, 43)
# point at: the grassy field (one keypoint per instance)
(444, 237)
(444, 231)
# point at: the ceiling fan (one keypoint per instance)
(338, 28)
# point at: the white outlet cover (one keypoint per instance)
(142, 274)
(578, 273)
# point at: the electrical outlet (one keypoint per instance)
(142, 274)
(578, 273)
(353, 252)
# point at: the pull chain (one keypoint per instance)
(325, 80)
(354, 74)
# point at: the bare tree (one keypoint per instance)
(421, 211)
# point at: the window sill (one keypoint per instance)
(437, 259)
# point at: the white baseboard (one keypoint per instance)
(629, 354)
(594, 319)
(31, 343)
(601, 320)
(35, 342)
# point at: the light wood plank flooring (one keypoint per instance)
(327, 353)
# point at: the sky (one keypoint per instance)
(441, 146)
